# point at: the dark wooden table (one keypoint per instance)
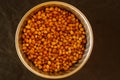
(104, 16)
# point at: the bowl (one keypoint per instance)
(87, 52)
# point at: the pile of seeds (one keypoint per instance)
(53, 39)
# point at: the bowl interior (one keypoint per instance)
(80, 63)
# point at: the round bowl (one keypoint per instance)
(87, 52)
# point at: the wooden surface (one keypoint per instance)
(104, 16)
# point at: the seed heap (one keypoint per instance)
(53, 39)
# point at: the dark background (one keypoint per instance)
(104, 16)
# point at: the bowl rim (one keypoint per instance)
(49, 76)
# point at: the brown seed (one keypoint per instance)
(32, 29)
(40, 67)
(29, 21)
(71, 32)
(49, 62)
(28, 27)
(51, 8)
(54, 19)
